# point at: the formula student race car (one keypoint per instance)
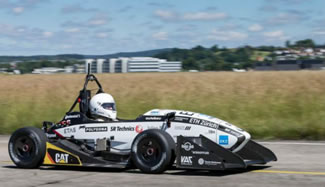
(153, 142)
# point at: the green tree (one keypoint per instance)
(305, 43)
(288, 44)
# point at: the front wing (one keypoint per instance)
(202, 153)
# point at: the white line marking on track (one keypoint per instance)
(293, 143)
(290, 172)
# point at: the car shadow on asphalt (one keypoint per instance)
(172, 171)
(72, 168)
(218, 173)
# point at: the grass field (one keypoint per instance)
(285, 105)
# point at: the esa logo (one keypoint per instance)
(61, 158)
(223, 140)
(69, 130)
(186, 160)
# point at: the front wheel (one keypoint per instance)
(152, 151)
(27, 147)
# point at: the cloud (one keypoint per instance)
(18, 10)
(47, 34)
(275, 35)
(125, 9)
(20, 6)
(319, 32)
(211, 8)
(167, 15)
(288, 17)
(102, 35)
(290, 2)
(204, 16)
(24, 33)
(227, 35)
(268, 8)
(98, 20)
(76, 8)
(160, 35)
(160, 4)
(255, 28)
(72, 30)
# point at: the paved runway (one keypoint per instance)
(300, 163)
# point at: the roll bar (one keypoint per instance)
(84, 94)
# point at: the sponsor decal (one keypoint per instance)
(122, 128)
(229, 124)
(201, 161)
(51, 135)
(187, 146)
(211, 132)
(203, 123)
(153, 118)
(56, 155)
(186, 113)
(154, 127)
(223, 140)
(200, 152)
(65, 122)
(186, 160)
(72, 116)
(186, 128)
(230, 131)
(96, 129)
(239, 129)
(61, 158)
(211, 163)
(181, 119)
(69, 130)
(138, 128)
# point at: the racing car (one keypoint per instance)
(153, 142)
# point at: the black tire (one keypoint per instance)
(152, 151)
(27, 147)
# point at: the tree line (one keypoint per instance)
(215, 58)
(199, 58)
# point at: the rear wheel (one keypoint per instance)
(152, 151)
(27, 147)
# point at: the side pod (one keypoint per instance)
(202, 153)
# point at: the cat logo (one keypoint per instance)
(61, 158)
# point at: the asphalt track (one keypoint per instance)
(300, 163)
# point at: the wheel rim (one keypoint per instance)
(149, 151)
(24, 148)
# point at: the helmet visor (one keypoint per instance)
(109, 106)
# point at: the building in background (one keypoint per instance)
(291, 65)
(133, 64)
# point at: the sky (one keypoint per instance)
(49, 27)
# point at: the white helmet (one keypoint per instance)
(103, 105)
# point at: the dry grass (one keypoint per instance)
(267, 104)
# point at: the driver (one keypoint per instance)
(102, 107)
